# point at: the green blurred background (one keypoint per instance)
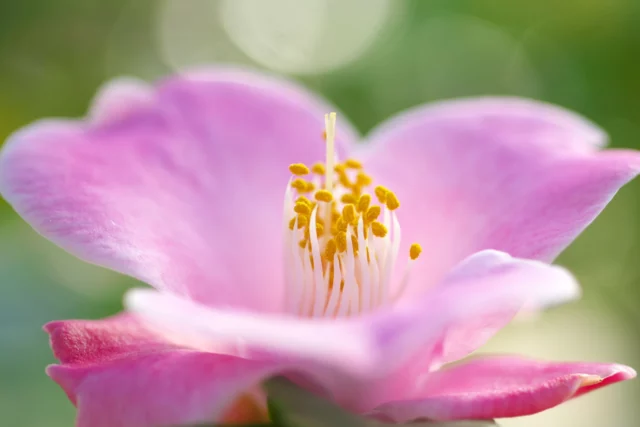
(372, 58)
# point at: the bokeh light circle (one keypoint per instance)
(305, 37)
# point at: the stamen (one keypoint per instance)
(378, 229)
(348, 198)
(304, 200)
(341, 241)
(310, 187)
(341, 225)
(302, 222)
(353, 164)
(318, 168)
(392, 201)
(349, 213)
(299, 169)
(301, 185)
(363, 180)
(302, 208)
(343, 178)
(381, 194)
(324, 196)
(414, 251)
(354, 242)
(363, 203)
(330, 249)
(339, 252)
(372, 214)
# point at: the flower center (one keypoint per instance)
(341, 239)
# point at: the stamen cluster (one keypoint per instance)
(342, 242)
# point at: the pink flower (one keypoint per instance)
(181, 185)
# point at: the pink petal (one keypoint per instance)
(462, 338)
(181, 185)
(82, 342)
(378, 355)
(497, 173)
(120, 375)
(464, 310)
(120, 98)
(501, 386)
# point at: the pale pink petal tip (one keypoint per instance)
(119, 97)
(492, 387)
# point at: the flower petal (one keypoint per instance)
(501, 386)
(499, 173)
(474, 301)
(180, 186)
(339, 343)
(374, 354)
(120, 375)
(82, 342)
(119, 98)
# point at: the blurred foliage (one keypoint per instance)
(291, 406)
(581, 54)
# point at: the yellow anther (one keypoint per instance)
(372, 214)
(363, 202)
(299, 169)
(344, 181)
(310, 188)
(304, 200)
(381, 193)
(318, 168)
(331, 273)
(342, 176)
(392, 201)
(335, 215)
(324, 135)
(353, 164)
(302, 221)
(414, 251)
(349, 213)
(330, 249)
(354, 243)
(348, 198)
(362, 179)
(341, 241)
(378, 229)
(324, 196)
(341, 225)
(300, 184)
(302, 243)
(302, 208)
(319, 228)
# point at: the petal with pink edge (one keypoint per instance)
(501, 386)
(462, 338)
(177, 387)
(180, 185)
(473, 302)
(508, 174)
(119, 374)
(375, 354)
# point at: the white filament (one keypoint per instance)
(365, 279)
